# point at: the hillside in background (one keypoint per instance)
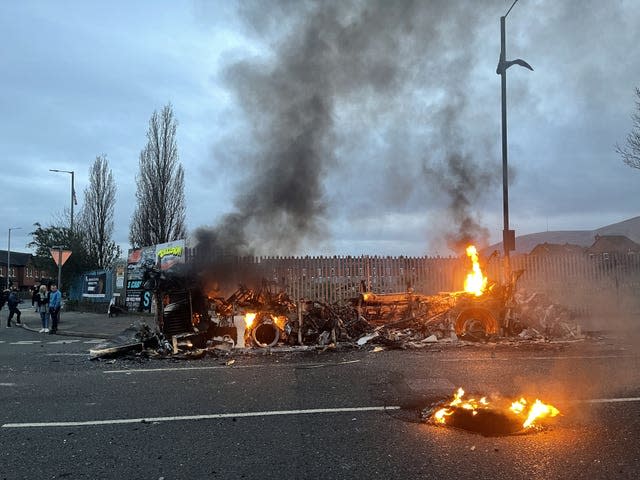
(585, 238)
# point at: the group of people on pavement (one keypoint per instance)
(46, 301)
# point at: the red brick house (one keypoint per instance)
(23, 273)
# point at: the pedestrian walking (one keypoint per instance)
(55, 303)
(43, 308)
(13, 303)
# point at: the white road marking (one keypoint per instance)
(7, 384)
(63, 354)
(97, 340)
(511, 359)
(229, 367)
(321, 365)
(612, 400)
(62, 342)
(25, 342)
(269, 413)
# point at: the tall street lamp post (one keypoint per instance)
(73, 191)
(508, 236)
(9, 254)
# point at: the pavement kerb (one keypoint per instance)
(70, 333)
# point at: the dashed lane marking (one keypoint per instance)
(25, 342)
(269, 413)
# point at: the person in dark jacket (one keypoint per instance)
(35, 296)
(13, 302)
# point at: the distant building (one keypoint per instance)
(23, 273)
(610, 245)
(556, 249)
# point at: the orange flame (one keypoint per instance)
(279, 320)
(249, 319)
(539, 410)
(475, 282)
(529, 412)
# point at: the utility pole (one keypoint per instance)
(73, 190)
(508, 235)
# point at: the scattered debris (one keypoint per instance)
(133, 339)
(539, 318)
(365, 338)
(190, 324)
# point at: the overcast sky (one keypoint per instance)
(346, 127)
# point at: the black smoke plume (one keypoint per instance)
(328, 56)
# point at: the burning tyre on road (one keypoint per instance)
(491, 416)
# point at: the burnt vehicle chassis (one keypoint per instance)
(186, 309)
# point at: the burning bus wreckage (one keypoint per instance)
(191, 324)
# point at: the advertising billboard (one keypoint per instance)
(138, 260)
(170, 254)
(94, 285)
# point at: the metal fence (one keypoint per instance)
(586, 284)
(596, 284)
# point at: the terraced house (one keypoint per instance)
(22, 272)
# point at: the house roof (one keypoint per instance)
(613, 244)
(556, 249)
(18, 259)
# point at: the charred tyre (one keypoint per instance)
(476, 324)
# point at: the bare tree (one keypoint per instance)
(96, 219)
(630, 153)
(160, 212)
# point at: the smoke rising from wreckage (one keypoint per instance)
(330, 60)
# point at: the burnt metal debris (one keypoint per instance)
(191, 324)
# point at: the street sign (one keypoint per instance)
(60, 256)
